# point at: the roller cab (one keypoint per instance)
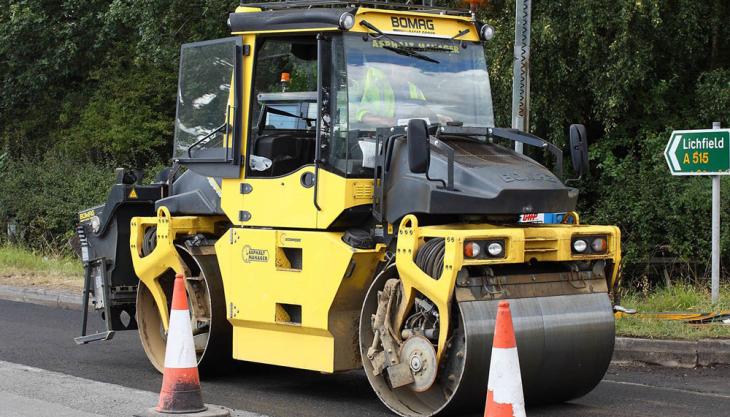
(340, 198)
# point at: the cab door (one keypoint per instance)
(208, 120)
(277, 188)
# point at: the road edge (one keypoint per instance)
(668, 353)
(672, 353)
(41, 296)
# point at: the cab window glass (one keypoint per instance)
(284, 106)
(383, 83)
(204, 102)
(284, 65)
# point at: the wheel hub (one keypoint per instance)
(416, 361)
(419, 354)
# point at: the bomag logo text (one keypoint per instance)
(412, 23)
(526, 176)
(86, 215)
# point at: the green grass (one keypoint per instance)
(682, 298)
(15, 259)
(19, 266)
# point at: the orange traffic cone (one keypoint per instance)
(504, 390)
(180, 393)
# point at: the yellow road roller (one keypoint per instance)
(340, 198)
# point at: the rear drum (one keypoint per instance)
(212, 332)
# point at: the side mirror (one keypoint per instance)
(419, 147)
(579, 149)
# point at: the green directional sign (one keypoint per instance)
(699, 152)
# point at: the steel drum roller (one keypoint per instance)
(565, 344)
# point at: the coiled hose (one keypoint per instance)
(430, 257)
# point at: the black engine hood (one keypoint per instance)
(488, 179)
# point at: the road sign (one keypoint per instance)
(699, 152)
(703, 152)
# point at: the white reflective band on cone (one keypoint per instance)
(505, 380)
(180, 349)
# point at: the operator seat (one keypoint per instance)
(288, 151)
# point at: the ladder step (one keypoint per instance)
(82, 340)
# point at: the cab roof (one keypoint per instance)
(316, 15)
(345, 4)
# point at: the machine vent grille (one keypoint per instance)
(540, 245)
(363, 191)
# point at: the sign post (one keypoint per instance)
(715, 232)
(521, 69)
(703, 152)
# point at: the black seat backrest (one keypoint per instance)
(287, 152)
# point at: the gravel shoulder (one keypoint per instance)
(43, 280)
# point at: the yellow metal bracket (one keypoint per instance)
(164, 256)
(571, 217)
(547, 243)
(439, 291)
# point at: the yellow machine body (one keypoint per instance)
(293, 288)
(164, 257)
(302, 315)
(327, 286)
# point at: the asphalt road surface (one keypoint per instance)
(42, 337)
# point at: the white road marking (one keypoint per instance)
(684, 391)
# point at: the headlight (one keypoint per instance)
(486, 32)
(347, 21)
(580, 245)
(590, 245)
(599, 245)
(472, 249)
(95, 224)
(495, 249)
(484, 249)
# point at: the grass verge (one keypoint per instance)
(25, 268)
(683, 298)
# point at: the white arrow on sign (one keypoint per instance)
(673, 153)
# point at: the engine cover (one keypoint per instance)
(488, 179)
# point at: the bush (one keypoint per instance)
(631, 72)
(94, 85)
(41, 198)
(128, 118)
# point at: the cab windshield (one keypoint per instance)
(384, 82)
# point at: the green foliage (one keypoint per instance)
(680, 298)
(713, 96)
(128, 119)
(42, 198)
(631, 71)
(17, 259)
(664, 329)
(110, 65)
(90, 85)
(87, 86)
